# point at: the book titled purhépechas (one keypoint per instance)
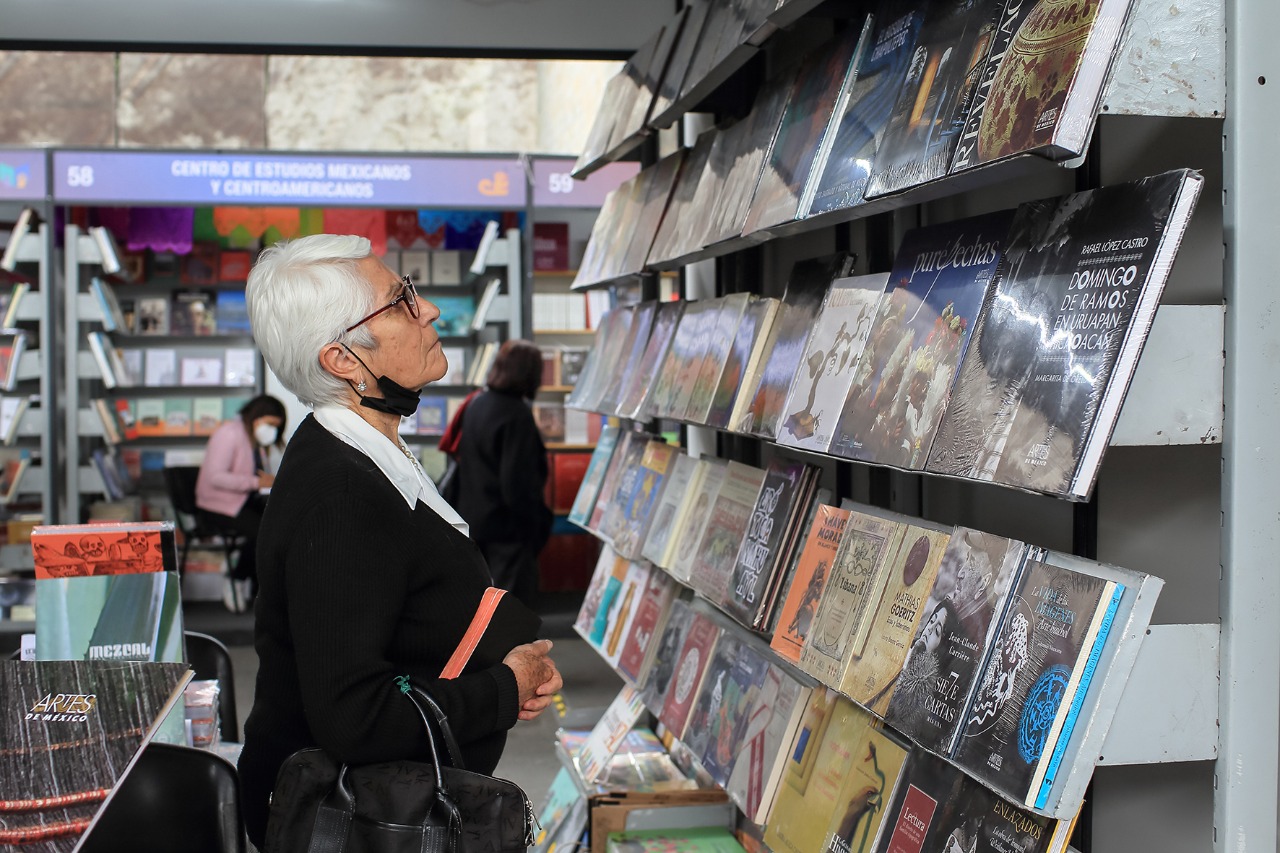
(501, 622)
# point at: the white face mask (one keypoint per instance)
(265, 434)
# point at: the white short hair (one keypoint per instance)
(301, 295)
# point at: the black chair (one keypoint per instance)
(210, 659)
(174, 798)
(194, 522)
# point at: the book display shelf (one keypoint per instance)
(27, 381)
(1174, 498)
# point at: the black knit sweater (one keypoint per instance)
(355, 588)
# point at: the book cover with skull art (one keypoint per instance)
(953, 638)
(898, 389)
(83, 550)
(1041, 639)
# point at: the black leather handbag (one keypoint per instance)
(320, 806)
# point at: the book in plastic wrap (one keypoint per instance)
(829, 363)
(977, 819)
(768, 389)
(622, 459)
(822, 542)
(699, 646)
(585, 500)
(730, 690)
(1041, 383)
(822, 758)
(805, 127)
(703, 839)
(622, 610)
(635, 399)
(693, 519)
(679, 220)
(656, 184)
(634, 488)
(961, 615)
(783, 496)
(72, 731)
(684, 357)
(726, 527)
(606, 606)
(680, 483)
(1043, 82)
(1047, 633)
(924, 128)
(638, 511)
(852, 593)
(927, 786)
(901, 384)
(594, 594)
(657, 681)
(759, 129)
(742, 361)
(770, 728)
(646, 628)
(715, 359)
(134, 617)
(873, 676)
(863, 108)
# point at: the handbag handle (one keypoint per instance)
(334, 815)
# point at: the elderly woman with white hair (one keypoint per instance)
(364, 572)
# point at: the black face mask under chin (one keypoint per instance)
(395, 400)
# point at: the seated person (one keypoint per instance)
(234, 472)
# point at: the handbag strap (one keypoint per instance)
(335, 813)
(471, 639)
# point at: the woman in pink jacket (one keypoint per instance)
(234, 473)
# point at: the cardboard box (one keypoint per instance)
(620, 810)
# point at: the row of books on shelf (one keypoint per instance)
(919, 91)
(559, 425)
(124, 419)
(427, 267)
(809, 769)
(562, 365)
(197, 312)
(979, 648)
(160, 367)
(998, 347)
(13, 344)
(207, 263)
(555, 312)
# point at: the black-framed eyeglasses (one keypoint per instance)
(408, 296)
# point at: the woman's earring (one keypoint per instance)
(360, 386)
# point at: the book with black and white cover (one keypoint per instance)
(828, 365)
(924, 128)
(805, 128)
(658, 680)
(1046, 632)
(900, 386)
(1041, 88)
(952, 641)
(841, 172)
(636, 397)
(742, 360)
(783, 494)
(1041, 384)
(806, 287)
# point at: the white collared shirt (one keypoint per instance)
(407, 476)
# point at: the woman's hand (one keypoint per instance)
(536, 676)
(265, 479)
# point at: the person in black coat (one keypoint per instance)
(500, 483)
